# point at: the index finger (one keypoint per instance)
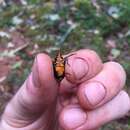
(80, 66)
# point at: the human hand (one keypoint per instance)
(90, 96)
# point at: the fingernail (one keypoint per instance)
(35, 74)
(95, 93)
(80, 68)
(74, 117)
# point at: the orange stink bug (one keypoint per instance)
(59, 66)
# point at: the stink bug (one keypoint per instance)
(59, 65)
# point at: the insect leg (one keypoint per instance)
(66, 58)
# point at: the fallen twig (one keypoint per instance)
(11, 53)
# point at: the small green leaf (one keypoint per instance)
(17, 65)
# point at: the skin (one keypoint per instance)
(89, 96)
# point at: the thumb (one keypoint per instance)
(36, 94)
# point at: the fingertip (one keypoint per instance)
(82, 65)
(126, 101)
(90, 94)
(72, 117)
(42, 70)
(118, 70)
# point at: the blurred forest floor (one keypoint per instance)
(30, 27)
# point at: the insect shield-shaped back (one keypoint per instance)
(59, 67)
